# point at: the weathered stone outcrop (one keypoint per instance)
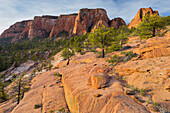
(149, 74)
(41, 26)
(82, 98)
(63, 23)
(87, 19)
(140, 14)
(117, 22)
(46, 90)
(154, 47)
(98, 80)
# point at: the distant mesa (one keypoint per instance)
(140, 14)
(87, 20)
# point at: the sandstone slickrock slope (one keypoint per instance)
(46, 90)
(140, 14)
(92, 85)
(82, 97)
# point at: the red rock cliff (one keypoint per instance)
(15, 30)
(87, 19)
(41, 26)
(140, 14)
(63, 23)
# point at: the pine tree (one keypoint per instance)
(3, 84)
(101, 38)
(20, 86)
(66, 54)
(149, 25)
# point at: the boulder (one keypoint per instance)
(99, 80)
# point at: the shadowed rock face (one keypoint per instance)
(87, 19)
(117, 22)
(63, 23)
(140, 14)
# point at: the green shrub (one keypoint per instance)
(114, 59)
(52, 111)
(36, 106)
(134, 88)
(142, 92)
(128, 56)
(61, 110)
(58, 74)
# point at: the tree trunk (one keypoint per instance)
(3, 92)
(22, 94)
(68, 61)
(103, 55)
(153, 31)
(19, 90)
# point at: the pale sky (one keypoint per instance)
(12, 11)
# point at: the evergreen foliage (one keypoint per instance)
(3, 84)
(66, 54)
(150, 25)
(109, 39)
(101, 38)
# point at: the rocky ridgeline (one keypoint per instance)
(87, 20)
(50, 26)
